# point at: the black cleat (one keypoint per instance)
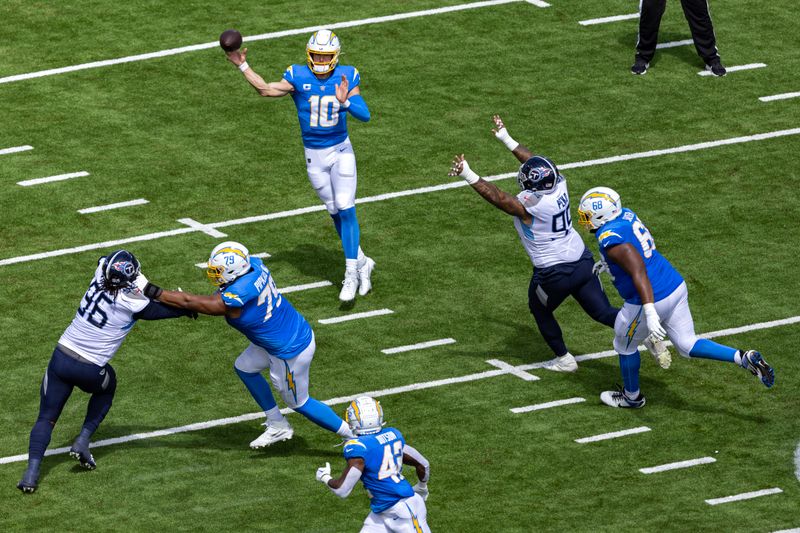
(639, 66)
(716, 68)
(758, 367)
(29, 481)
(80, 451)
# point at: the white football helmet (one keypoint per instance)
(365, 415)
(326, 43)
(228, 261)
(598, 206)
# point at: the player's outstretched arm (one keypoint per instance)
(522, 152)
(344, 484)
(207, 305)
(500, 199)
(273, 89)
(626, 256)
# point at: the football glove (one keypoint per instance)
(421, 488)
(324, 473)
(599, 268)
(653, 322)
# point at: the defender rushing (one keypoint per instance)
(651, 286)
(562, 265)
(280, 338)
(108, 312)
(376, 456)
(324, 92)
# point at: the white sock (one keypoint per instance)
(350, 266)
(345, 431)
(631, 395)
(274, 415)
(361, 258)
(738, 358)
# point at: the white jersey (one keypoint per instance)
(102, 321)
(550, 239)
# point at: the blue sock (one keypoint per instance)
(706, 349)
(40, 438)
(629, 365)
(258, 387)
(320, 414)
(350, 233)
(337, 221)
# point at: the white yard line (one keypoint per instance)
(604, 20)
(251, 38)
(674, 44)
(305, 287)
(513, 370)
(797, 462)
(418, 346)
(345, 399)
(355, 316)
(676, 466)
(50, 179)
(784, 96)
(538, 3)
(129, 203)
(734, 68)
(392, 195)
(744, 496)
(15, 149)
(793, 530)
(547, 405)
(208, 230)
(262, 255)
(613, 435)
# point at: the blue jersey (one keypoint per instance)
(267, 318)
(627, 228)
(323, 122)
(383, 467)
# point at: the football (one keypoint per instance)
(230, 40)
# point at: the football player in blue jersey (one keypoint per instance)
(324, 92)
(651, 287)
(280, 338)
(376, 457)
(82, 357)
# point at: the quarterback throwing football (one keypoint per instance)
(324, 92)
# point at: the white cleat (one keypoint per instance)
(659, 351)
(349, 286)
(275, 432)
(365, 276)
(565, 363)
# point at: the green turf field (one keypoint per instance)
(188, 134)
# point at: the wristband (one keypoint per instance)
(152, 291)
(503, 136)
(346, 104)
(326, 478)
(244, 66)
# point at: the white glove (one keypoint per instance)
(599, 268)
(653, 322)
(421, 488)
(141, 282)
(324, 473)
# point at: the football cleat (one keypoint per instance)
(228, 261)
(752, 361)
(597, 206)
(349, 286)
(565, 363)
(29, 482)
(716, 68)
(275, 432)
(322, 52)
(365, 276)
(365, 415)
(659, 351)
(640, 67)
(80, 452)
(617, 398)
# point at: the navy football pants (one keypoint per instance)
(551, 286)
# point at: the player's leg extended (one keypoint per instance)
(543, 299)
(629, 330)
(291, 377)
(588, 291)
(53, 395)
(101, 383)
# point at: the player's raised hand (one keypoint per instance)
(457, 166)
(237, 57)
(498, 124)
(342, 89)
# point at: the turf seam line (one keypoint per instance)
(677, 465)
(108, 207)
(546, 405)
(613, 435)
(50, 179)
(398, 194)
(376, 393)
(604, 20)
(744, 496)
(418, 346)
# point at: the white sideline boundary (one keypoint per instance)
(736, 68)
(376, 393)
(259, 37)
(118, 205)
(784, 96)
(797, 462)
(604, 20)
(50, 179)
(678, 465)
(418, 346)
(546, 405)
(744, 496)
(392, 195)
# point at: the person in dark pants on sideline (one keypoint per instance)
(699, 18)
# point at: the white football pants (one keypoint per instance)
(630, 327)
(406, 516)
(332, 173)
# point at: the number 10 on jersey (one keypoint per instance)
(324, 111)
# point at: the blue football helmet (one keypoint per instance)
(120, 270)
(537, 174)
